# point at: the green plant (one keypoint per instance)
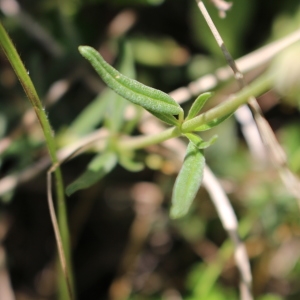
(164, 107)
(61, 231)
(118, 145)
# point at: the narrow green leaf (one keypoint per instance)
(115, 116)
(198, 142)
(187, 182)
(197, 105)
(169, 119)
(212, 123)
(97, 168)
(104, 161)
(92, 115)
(126, 160)
(132, 90)
(129, 164)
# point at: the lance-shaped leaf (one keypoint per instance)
(197, 105)
(126, 160)
(198, 142)
(187, 182)
(97, 168)
(212, 123)
(92, 115)
(132, 90)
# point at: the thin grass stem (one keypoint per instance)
(23, 76)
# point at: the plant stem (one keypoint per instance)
(22, 74)
(148, 140)
(256, 88)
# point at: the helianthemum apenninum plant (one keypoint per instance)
(169, 111)
(119, 146)
(119, 150)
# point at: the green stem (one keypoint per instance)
(18, 66)
(144, 141)
(259, 86)
(256, 88)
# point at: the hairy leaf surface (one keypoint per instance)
(132, 90)
(187, 182)
(197, 105)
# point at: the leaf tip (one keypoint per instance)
(69, 191)
(84, 50)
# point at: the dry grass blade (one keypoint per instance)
(10, 182)
(55, 92)
(219, 198)
(278, 156)
(230, 224)
(220, 201)
(237, 74)
(251, 61)
(54, 221)
(57, 234)
(251, 133)
(61, 253)
(6, 290)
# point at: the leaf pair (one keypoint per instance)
(198, 142)
(196, 108)
(155, 101)
(190, 176)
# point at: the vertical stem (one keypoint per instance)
(22, 74)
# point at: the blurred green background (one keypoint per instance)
(171, 46)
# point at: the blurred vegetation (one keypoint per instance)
(170, 46)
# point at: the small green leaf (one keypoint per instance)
(187, 182)
(197, 105)
(97, 168)
(92, 115)
(169, 119)
(126, 160)
(132, 90)
(129, 164)
(212, 123)
(198, 142)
